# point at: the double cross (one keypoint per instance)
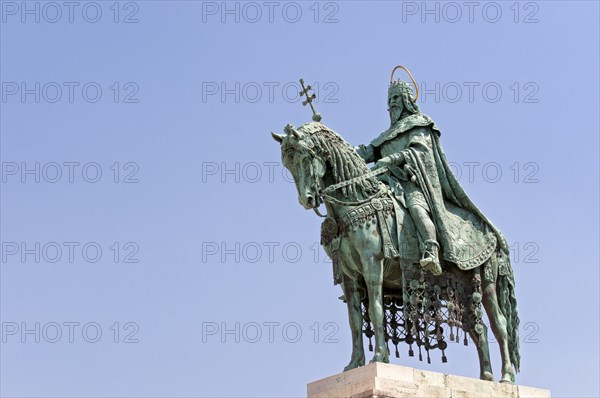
(309, 99)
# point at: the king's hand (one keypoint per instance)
(394, 159)
(384, 162)
(365, 152)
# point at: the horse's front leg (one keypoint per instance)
(353, 300)
(373, 273)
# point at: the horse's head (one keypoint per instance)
(300, 156)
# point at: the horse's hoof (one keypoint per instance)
(508, 376)
(355, 364)
(487, 376)
(352, 366)
(380, 358)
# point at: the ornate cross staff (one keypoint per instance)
(309, 99)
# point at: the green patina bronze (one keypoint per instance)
(418, 262)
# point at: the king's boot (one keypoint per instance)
(430, 259)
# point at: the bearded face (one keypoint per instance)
(395, 107)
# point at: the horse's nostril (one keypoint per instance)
(309, 201)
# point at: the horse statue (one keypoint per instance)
(372, 242)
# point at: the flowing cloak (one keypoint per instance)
(466, 236)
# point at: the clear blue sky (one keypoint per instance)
(143, 198)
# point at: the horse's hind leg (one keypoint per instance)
(483, 351)
(498, 324)
(353, 300)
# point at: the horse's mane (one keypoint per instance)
(345, 163)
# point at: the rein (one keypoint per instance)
(343, 184)
(326, 193)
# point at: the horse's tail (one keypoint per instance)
(505, 289)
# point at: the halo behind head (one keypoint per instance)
(411, 78)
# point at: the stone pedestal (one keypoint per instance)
(380, 380)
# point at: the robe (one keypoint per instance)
(467, 238)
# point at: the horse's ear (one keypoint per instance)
(277, 137)
(290, 130)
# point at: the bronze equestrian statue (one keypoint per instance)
(415, 257)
